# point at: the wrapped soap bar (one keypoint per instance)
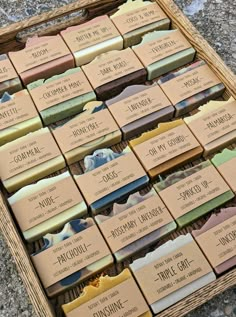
(111, 72)
(139, 108)
(164, 51)
(109, 176)
(136, 18)
(214, 125)
(61, 96)
(170, 145)
(194, 192)
(92, 129)
(71, 256)
(134, 225)
(29, 158)
(172, 272)
(90, 39)
(42, 57)
(47, 205)
(191, 87)
(108, 296)
(217, 239)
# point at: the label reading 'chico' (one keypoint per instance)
(7, 71)
(228, 171)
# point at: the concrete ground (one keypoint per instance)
(216, 20)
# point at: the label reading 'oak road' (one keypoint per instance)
(109, 177)
(228, 171)
(219, 243)
(122, 300)
(165, 146)
(190, 84)
(70, 256)
(172, 272)
(7, 71)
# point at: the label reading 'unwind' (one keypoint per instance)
(228, 171)
(7, 71)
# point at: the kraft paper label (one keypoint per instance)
(122, 300)
(109, 177)
(135, 19)
(19, 109)
(70, 256)
(38, 54)
(219, 243)
(112, 67)
(228, 171)
(139, 105)
(62, 89)
(82, 130)
(46, 203)
(190, 84)
(135, 223)
(18, 157)
(163, 47)
(172, 272)
(194, 191)
(7, 71)
(165, 146)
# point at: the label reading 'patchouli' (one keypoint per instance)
(122, 300)
(194, 191)
(166, 146)
(170, 273)
(7, 71)
(109, 177)
(70, 256)
(228, 171)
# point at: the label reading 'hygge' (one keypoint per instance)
(70, 256)
(228, 171)
(7, 71)
(172, 272)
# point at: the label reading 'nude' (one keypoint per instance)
(228, 171)
(7, 71)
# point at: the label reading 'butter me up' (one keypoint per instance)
(228, 171)
(109, 177)
(70, 256)
(172, 272)
(7, 71)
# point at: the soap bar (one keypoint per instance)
(28, 159)
(18, 116)
(172, 272)
(139, 108)
(194, 192)
(164, 51)
(92, 129)
(191, 87)
(110, 176)
(134, 225)
(170, 145)
(9, 80)
(214, 125)
(71, 256)
(42, 57)
(90, 39)
(109, 295)
(111, 72)
(217, 239)
(47, 205)
(61, 96)
(136, 18)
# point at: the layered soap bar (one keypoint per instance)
(29, 158)
(170, 145)
(46, 206)
(90, 39)
(191, 86)
(214, 125)
(217, 239)
(194, 192)
(136, 18)
(139, 108)
(108, 295)
(92, 129)
(134, 225)
(172, 272)
(42, 57)
(71, 256)
(164, 51)
(109, 176)
(111, 72)
(61, 96)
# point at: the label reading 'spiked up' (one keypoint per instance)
(228, 171)
(7, 71)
